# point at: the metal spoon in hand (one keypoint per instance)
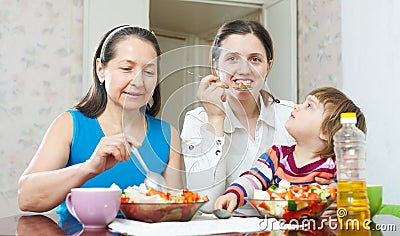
(153, 179)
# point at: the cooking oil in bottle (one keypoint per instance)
(352, 200)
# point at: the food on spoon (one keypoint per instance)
(243, 85)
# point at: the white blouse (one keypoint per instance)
(213, 163)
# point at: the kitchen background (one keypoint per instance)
(352, 45)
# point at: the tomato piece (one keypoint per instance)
(305, 187)
(314, 196)
(296, 214)
(264, 205)
(152, 192)
(333, 193)
(125, 199)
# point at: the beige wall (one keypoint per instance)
(41, 66)
(319, 45)
(353, 45)
(41, 51)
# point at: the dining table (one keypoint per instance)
(49, 224)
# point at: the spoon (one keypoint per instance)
(222, 213)
(153, 179)
(236, 88)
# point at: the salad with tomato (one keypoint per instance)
(141, 194)
(293, 201)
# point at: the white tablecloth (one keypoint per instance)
(205, 224)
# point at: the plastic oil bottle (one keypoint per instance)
(352, 201)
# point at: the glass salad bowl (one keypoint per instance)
(160, 212)
(150, 205)
(293, 201)
(291, 209)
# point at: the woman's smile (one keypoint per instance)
(133, 94)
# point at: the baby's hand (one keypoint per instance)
(322, 181)
(227, 201)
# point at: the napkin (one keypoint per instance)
(205, 224)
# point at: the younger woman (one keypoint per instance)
(224, 136)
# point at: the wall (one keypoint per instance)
(172, 85)
(353, 45)
(319, 45)
(280, 18)
(371, 69)
(41, 58)
(102, 15)
(40, 65)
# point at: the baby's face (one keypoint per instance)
(305, 121)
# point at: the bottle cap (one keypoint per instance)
(348, 117)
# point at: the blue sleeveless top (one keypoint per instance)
(155, 150)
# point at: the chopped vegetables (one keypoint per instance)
(273, 187)
(140, 194)
(297, 192)
(293, 201)
(124, 198)
(186, 196)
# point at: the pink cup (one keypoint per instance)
(94, 207)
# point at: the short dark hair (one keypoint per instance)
(95, 100)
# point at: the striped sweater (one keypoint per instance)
(277, 164)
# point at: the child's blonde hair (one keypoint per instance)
(335, 102)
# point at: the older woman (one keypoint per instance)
(86, 146)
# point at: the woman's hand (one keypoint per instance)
(109, 151)
(212, 94)
(227, 201)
